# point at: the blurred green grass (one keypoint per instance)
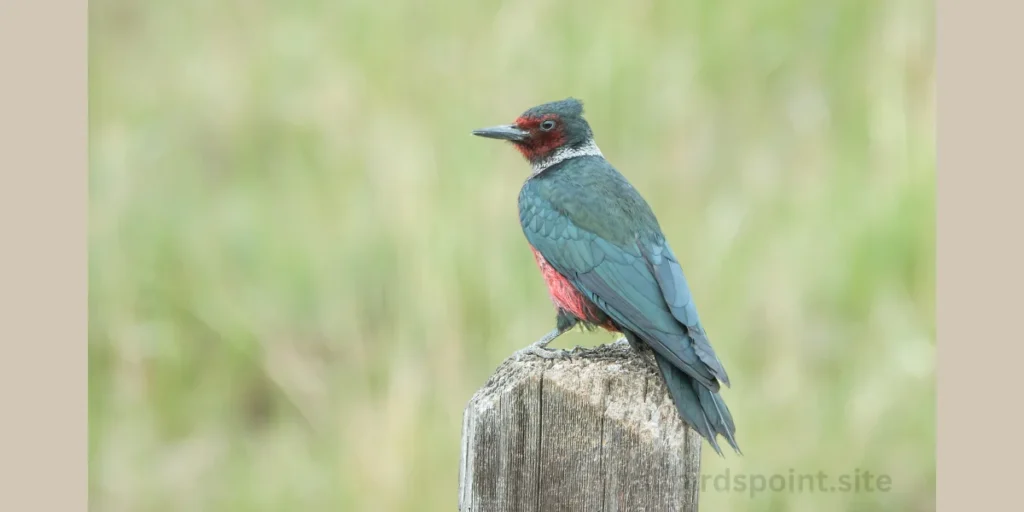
(302, 265)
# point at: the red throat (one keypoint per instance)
(540, 143)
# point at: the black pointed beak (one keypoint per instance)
(502, 132)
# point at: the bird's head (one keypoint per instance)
(547, 133)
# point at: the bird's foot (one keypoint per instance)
(539, 348)
(542, 352)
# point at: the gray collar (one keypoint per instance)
(562, 154)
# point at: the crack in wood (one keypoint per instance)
(601, 405)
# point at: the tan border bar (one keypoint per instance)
(980, 256)
(43, 206)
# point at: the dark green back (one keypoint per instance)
(592, 226)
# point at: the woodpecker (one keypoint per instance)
(606, 262)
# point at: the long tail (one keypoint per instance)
(699, 406)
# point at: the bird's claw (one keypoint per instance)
(541, 351)
(539, 347)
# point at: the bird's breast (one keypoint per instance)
(565, 296)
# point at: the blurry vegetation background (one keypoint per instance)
(302, 264)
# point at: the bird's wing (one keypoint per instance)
(641, 287)
(676, 292)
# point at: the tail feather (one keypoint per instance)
(700, 407)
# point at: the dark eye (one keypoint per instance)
(547, 125)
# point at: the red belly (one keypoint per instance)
(565, 295)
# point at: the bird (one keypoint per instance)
(608, 265)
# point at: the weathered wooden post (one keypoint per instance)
(595, 432)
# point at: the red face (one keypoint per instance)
(545, 135)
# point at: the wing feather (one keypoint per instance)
(640, 287)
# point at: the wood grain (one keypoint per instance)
(594, 432)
